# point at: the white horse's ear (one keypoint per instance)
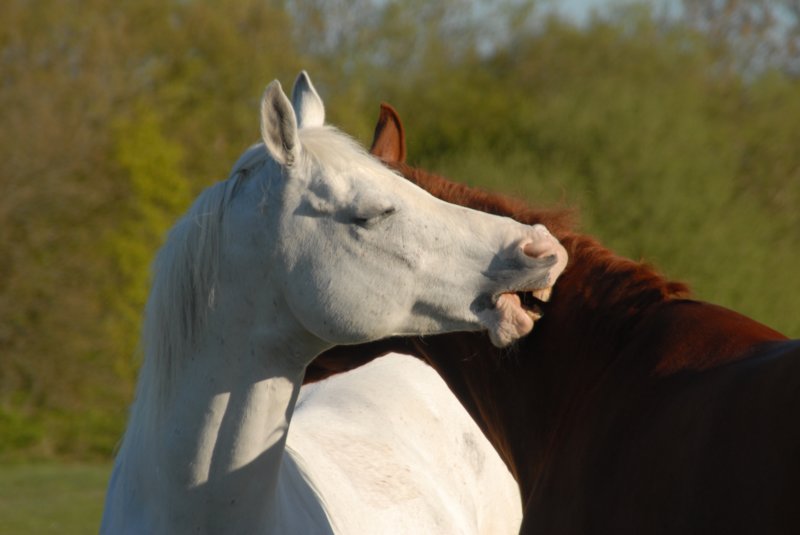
(307, 105)
(279, 125)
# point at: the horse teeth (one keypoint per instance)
(543, 294)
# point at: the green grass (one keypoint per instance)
(51, 498)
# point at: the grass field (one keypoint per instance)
(42, 499)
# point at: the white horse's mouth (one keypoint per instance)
(533, 302)
(514, 314)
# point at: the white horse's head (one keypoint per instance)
(359, 253)
(312, 241)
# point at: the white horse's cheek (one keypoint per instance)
(403, 252)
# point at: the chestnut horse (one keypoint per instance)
(630, 408)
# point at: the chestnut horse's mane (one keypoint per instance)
(558, 221)
(633, 285)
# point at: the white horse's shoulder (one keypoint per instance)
(389, 449)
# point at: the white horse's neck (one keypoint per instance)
(209, 459)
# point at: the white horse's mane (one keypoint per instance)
(337, 150)
(184, 279)
(185, 269)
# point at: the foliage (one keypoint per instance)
(674, 137)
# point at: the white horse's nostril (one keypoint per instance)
(538, 248)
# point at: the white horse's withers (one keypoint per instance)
(311, 242)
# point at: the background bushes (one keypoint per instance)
(671, 126)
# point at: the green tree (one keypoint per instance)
(114, 114)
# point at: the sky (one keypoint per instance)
(580, 10)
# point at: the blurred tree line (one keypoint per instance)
(672, 129)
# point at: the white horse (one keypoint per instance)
(311, 242)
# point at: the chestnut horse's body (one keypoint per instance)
(629, 408)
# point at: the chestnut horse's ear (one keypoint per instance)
(389, 142)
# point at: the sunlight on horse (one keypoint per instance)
(310, 242)
(630, 409)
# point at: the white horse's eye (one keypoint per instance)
(367, 220)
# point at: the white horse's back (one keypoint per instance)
(388, 449)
